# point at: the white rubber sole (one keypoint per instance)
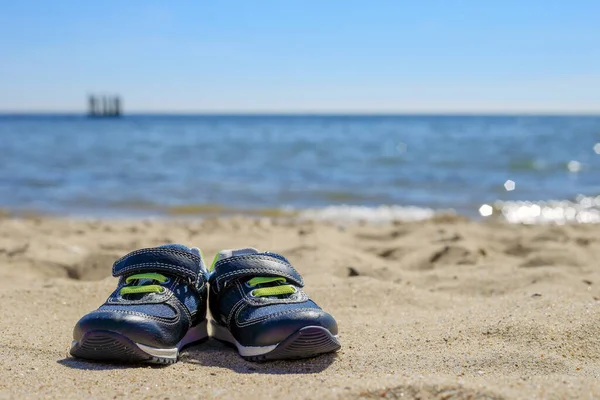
(308, 341)
(194, 334)
(223, 334)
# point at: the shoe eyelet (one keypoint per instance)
(162, 290)
(251, 294)
(247, 283)
(166, 282)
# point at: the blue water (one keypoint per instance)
(149, 164)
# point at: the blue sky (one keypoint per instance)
(302, 56)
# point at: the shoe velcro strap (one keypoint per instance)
(254, 265)
(165, 260)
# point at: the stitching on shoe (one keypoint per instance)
(232, 311)
(139, 314)
(186, 271)
(257, 257)
(151, 250)
(181, 304)
(190, 256)
(249, 271)
(252, 302)
(302, 298)
(267, 317)
(252, 257)
(163, 299)
(184, 308)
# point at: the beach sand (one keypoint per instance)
(442, 309)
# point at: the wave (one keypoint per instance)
(337, 213)
(581, 210)
(345, 213)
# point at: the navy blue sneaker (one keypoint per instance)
(258, 305)
(159, 307)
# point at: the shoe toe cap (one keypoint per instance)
(277, 328)
(138, 328)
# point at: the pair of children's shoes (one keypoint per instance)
(160, 305)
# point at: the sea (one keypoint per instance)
(521, 169)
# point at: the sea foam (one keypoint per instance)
(346, 213)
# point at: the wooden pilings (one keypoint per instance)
(104, 106)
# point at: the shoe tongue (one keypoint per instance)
(223, 254)
(181, 247)
(235, 252)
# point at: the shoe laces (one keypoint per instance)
(144, 283)
(277, 289)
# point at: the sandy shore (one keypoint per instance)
(443, 309)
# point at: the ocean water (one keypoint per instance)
(522, 168)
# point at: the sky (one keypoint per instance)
(310, 56)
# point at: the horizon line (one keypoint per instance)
(339, 113)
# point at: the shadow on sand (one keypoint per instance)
(217, 354)
(76, 363)
(213, 353)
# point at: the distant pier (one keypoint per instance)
(104, 106)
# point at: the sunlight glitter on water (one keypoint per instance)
(585, 210)
(509, 185)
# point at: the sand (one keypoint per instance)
(442, 309)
